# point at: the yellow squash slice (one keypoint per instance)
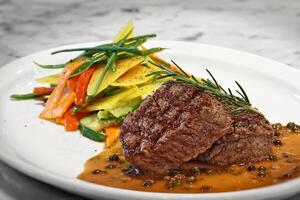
(135, 76)
(129, 27)
(122, 66)
(51, 79)
(110, 101)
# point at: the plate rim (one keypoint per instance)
(74, 186)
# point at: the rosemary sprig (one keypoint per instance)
(211, 86)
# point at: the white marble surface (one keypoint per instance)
(270, 28)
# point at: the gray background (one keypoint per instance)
(269, 28)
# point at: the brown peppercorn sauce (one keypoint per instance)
(282, 165)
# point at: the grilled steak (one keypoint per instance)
(180, 123)
(173, 126)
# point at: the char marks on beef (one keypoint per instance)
(180, 123)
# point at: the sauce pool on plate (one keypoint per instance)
(111, 169)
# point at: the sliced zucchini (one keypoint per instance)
(94, 123)
(125, 107)
(105, 115)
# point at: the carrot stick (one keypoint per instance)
(38, 91)
(112, 135)
(60, 121)
(55, 106)
(66, 100)
(82, 85)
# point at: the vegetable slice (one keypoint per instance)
(143, 91)
(51, 79)
(112, 135)
(82, 85)
(39, 91)
(71, 120)
(91, 134)
(110, 101)
(127, 29)
(125, 107)
(58, 66)
(62, 96)
(94, 123)
(72, 83)
(105, 115)
(134, 76)
(22, 96)
(122, 66)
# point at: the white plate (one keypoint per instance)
(46, 152)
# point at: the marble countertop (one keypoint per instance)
(269, 28)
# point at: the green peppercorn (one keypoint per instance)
(261, 174)
(293, 127)
(191, 179)
(262, 168)
(206, 189)
(148, 182)
(110, 166)
(272, 157)
(99, 171)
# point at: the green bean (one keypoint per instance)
(87, 64)
(141, 36)
(91, 134)
(107, 47)
(152, 50)
(58, 66)
(22, 96)
(106, 68)
(104, 48)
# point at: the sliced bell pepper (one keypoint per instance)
(71, 120)
(82, 85)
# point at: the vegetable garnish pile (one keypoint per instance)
(96, 90)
